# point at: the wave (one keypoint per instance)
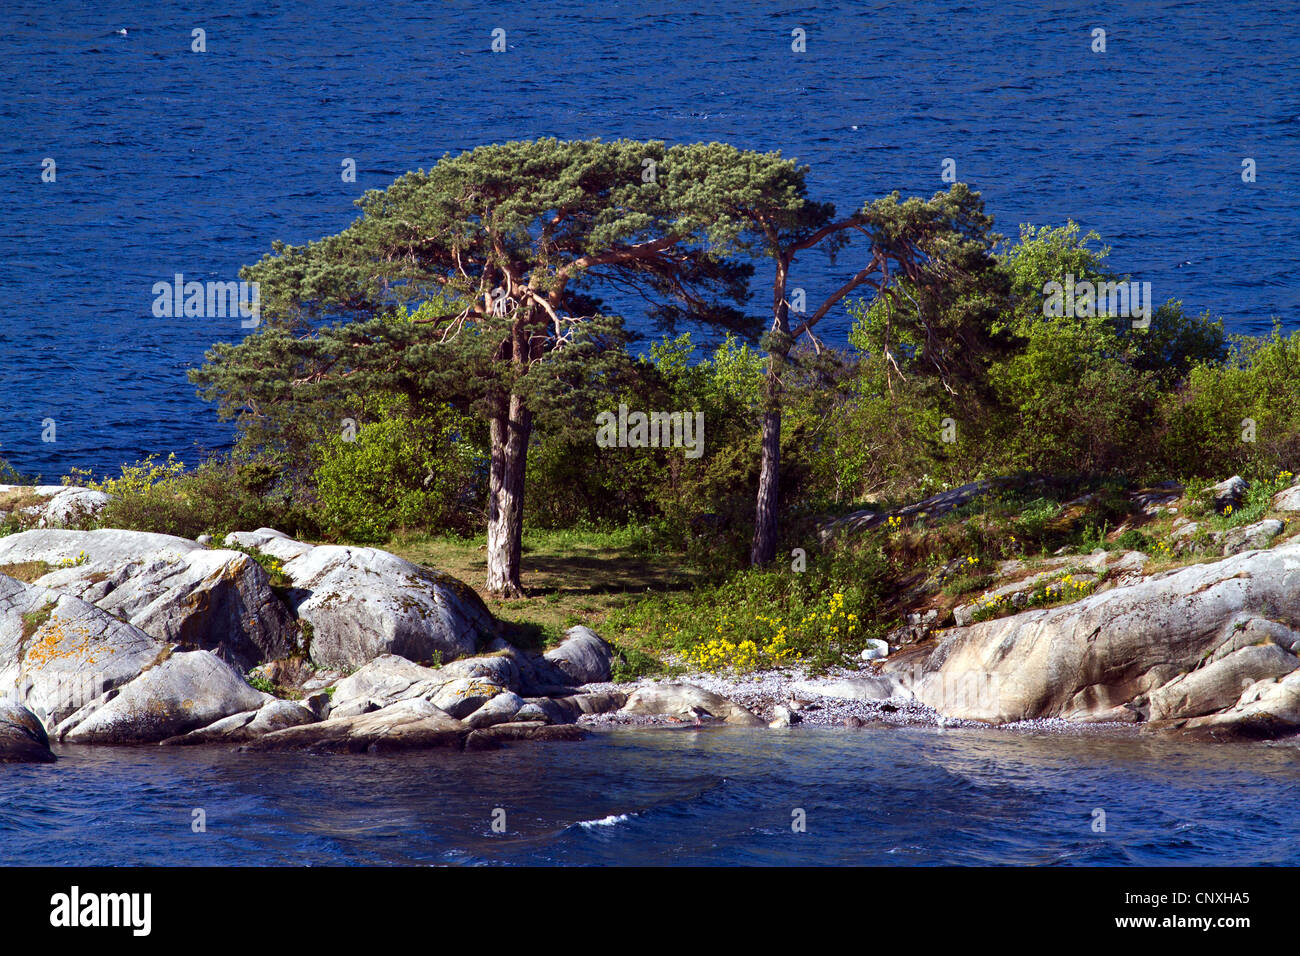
(609, 821)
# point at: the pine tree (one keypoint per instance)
(475, 282)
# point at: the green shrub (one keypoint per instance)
(400, 473)
(769, 617)
(1133, 540)
(218, 496)
(1242, 416)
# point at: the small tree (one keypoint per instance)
(500, 250)
(760, 202)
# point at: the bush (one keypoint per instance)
(703, 505)
(1242, 416)
(423, 473)
(219, 496)
(819, 617)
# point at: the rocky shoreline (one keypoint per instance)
(269, 644)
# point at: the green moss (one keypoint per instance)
(33, 621)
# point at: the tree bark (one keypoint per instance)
(763, 548)
(510, 430)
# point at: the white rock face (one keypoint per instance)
(408, 725)
(464, 695)
(582, 656)
(1268, 708)
(1219, 683)
(686, 702)
(1288, 499)
(171, 588)
(58, 653)
(362, 603)
(274, 715)
(498, 710)
(382, 682)
(1106, 656)
(187, 691)
(63, 505)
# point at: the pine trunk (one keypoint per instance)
(763, 548)
(510, 430)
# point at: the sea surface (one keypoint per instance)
(172, 161)
(908, 797)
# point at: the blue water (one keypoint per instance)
(172, 161)
(715, 796)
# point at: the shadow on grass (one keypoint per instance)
(580, 574)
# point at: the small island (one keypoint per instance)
(466, 507)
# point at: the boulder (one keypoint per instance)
(73, 507)
(408, 725)
(596, 702)
(1151, 501)
(1101, 657)
(537, 711)
(1266, 709)
(382, 682)
(58, 653)
(464, 695)
(53, 506)
(783, 717)
(272, 716)
(186, 691)
(171, 588)
(1220, 682)
(1231, 491)
(566, 709)
(1288, 499)
(582, 657)
(1251, 536)
(687, 702)
(22, 737)
(362, 603)
(869, 687)
(875, 650)
(907, 634)
(499, 710)
(499, 668)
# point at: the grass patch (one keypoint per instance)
(19, 498)
(570, 576)
(1063, 588)
(26, 571)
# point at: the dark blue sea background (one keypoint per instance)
(173, 161)
(911, 797)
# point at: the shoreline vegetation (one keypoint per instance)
(1006, 497)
